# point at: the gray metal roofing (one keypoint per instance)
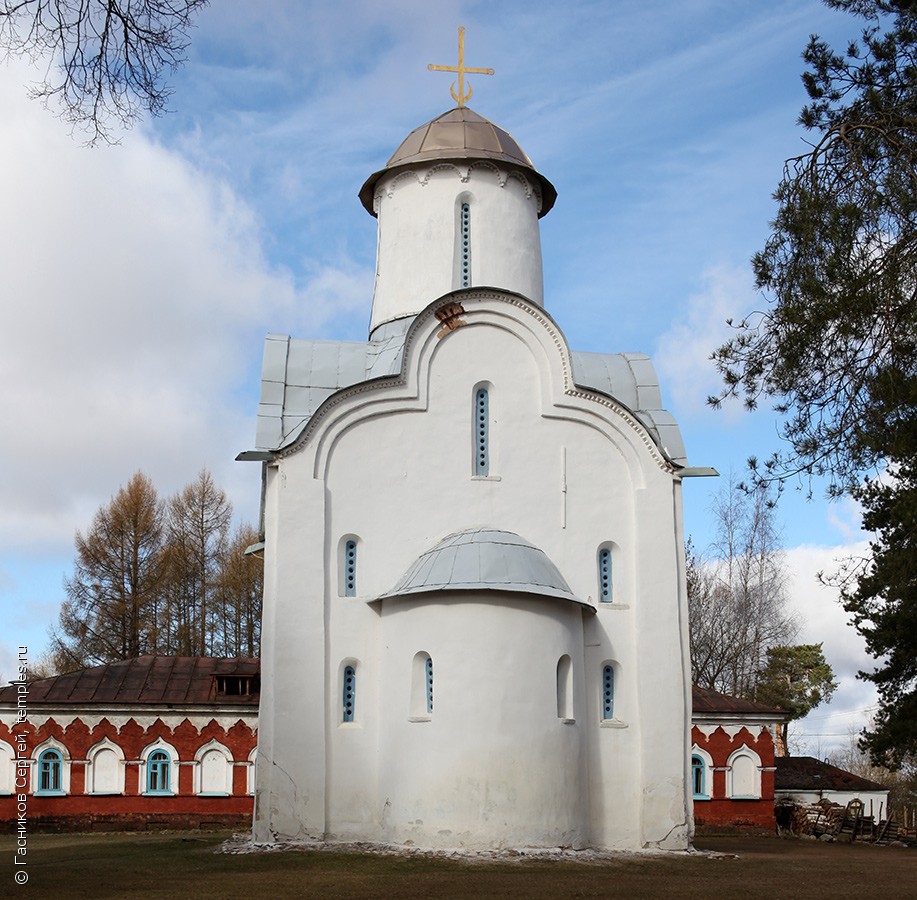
(484, 559)
(299, 375)
(459, 134)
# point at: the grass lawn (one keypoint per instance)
(184, 865)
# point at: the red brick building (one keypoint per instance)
(148, 742)
(170, 742)
(732, 760)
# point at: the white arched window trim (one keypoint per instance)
(92, 774)
(224, 787)
(51, 744)
(173, 767)
(735, 789)
(251, 774)
(706, 792)
(7, 769)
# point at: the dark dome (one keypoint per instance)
(459, 134)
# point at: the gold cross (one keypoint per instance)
(461, 97)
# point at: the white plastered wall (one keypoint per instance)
(392, 465)
(420, 208)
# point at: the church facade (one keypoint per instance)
(475, 617)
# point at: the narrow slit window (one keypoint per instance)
(350, 686)
(608, 692)
(482, 427)
(428, 669)
(466, 245)
(565, 688)
(350, 569)
(605, 582)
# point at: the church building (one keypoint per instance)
(475, 618)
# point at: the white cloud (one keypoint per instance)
(135, 297)
(682, 354)
(824, 621)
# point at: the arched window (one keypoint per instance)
(565, 688)
(465, 244)
(481, 430)
(106, 773)
(350, 567)
(422, 686)
(701, 774)
(608, 691)
(50, 772)
(606, 584)
(349, 693)
(697, 776)
(743, 775)
(214, 770)
(159, 773)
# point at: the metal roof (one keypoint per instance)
(484, 559)
(168, 680)
(705, 701)
(299, 375)
(460, 134)
(806, 773)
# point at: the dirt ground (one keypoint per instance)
(186, 866)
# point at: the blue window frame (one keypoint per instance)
(698, 777)
(605, 583)
(428, 668)
(50, 773)
(350, 569)
(466, 245)
(482, 425)
(608, 692)
(159, 773)
(349, 697)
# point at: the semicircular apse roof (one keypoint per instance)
(484, 559)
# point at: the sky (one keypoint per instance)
(139, 280)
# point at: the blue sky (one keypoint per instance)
(139, 280)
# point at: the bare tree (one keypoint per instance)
(239, 596)
(737, 593)
(106, 59)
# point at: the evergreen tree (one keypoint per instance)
(837, 347)
(797, 679)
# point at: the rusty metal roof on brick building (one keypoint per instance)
(806, 773)
(162, 680)
(707, 702)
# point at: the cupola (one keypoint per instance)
(458, 205)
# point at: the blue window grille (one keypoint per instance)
(50, 770)
(350, 569)
(350, 686)
(429, 672)
(466, 245)
(608, 692)
(481, 404)
(158, 773)
(605, 592)
(697, 776)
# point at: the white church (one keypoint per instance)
(475, 620)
